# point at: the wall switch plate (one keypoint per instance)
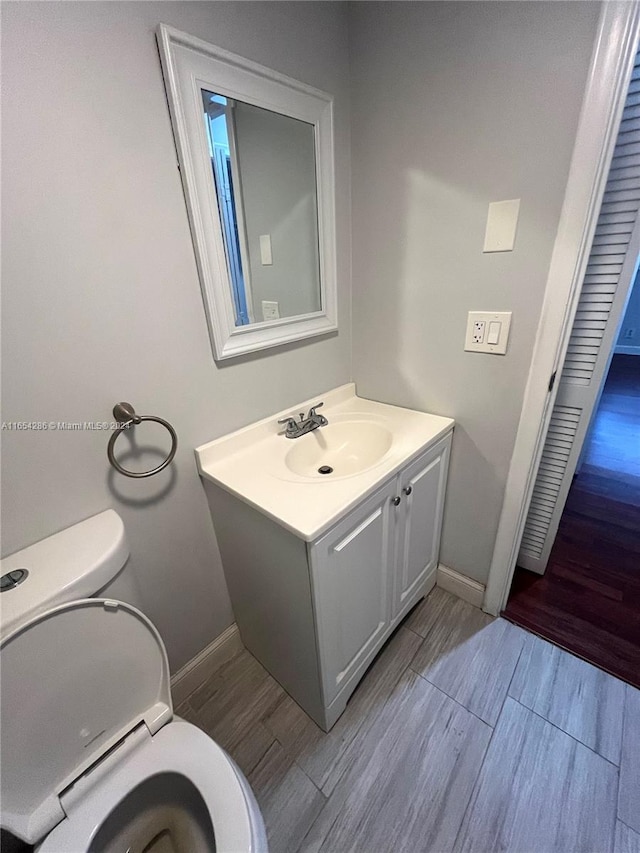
(266, 258)
(270, 310)
(502, 221)
(488, 331)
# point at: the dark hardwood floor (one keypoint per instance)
(588, 600)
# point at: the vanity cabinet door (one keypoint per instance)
(352, 585)
(419, 519)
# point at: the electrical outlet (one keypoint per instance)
(270, 310)
(487, 331)
(629, 333)
(477, 336)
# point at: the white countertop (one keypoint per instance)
(250, 464)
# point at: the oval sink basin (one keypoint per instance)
(339, 449)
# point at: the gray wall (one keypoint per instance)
(276, 156)
(455, 105)
(101, 301)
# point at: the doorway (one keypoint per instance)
(614, 65)
(577, 575)
(588, 599)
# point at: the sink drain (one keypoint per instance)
(325, 469)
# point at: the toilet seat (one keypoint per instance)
(87, 718)
(178, 748)
(77, 680)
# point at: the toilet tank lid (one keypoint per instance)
(76, 562)
(75, 681)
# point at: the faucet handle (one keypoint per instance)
(313, 415)
(290, 422)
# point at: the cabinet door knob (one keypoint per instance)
(396, 500)
(407, 490)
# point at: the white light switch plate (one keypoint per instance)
(266, 257)
(482, 328)
(502, 221)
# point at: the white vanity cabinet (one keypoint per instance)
(315, 613)
(421, 487)
(352, 572)
(372, 567)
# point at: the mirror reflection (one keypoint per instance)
(264, 173)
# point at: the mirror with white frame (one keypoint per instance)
(255, 150)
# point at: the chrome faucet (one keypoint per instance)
(297, 428)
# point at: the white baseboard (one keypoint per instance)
(460, 585)
(196, 671)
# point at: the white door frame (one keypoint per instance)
(605, 93)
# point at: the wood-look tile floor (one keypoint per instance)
(467, 734)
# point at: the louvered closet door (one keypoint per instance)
(611, 267)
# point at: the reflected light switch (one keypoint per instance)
(265, 250)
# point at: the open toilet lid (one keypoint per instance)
(75, 681)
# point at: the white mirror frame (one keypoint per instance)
(189, 65)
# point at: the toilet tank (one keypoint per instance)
(76, 563)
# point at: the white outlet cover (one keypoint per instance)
(270, 310)
(502, 222)
(487, 317)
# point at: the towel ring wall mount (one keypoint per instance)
(126, 416)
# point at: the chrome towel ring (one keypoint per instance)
(126, 416)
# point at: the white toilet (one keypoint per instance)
(92, 757)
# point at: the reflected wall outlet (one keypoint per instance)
(488, 331)
(270, 310)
